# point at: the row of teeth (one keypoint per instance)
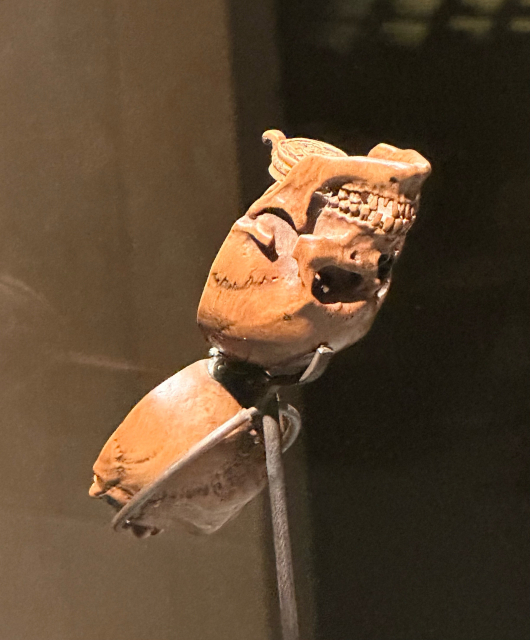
(381, 212)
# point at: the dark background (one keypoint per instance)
(418, 445)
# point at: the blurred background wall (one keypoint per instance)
(118, 182)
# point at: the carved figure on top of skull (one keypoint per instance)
(307, 266)
(311, 260)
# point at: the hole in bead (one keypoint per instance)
(384, 267)
(332, 284)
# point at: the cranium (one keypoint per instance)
(310, 261)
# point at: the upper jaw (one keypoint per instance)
(386, 172)
(387, 211)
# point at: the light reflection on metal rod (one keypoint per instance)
(280, 527)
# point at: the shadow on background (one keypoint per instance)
(418, 437)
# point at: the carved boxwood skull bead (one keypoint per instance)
(310, 261)
(308, 265)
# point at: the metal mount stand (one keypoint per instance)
(280, 528)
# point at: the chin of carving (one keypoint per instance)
(161, 429)
(310, 262)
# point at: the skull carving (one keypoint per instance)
(160, 429)
(307, 266)
(310, 261)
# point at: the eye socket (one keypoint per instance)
(384, 266)
(332, 284)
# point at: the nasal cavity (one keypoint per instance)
(332, 284)
(384, 267)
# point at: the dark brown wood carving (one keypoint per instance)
(308, 266)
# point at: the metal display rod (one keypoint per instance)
(280, 528)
